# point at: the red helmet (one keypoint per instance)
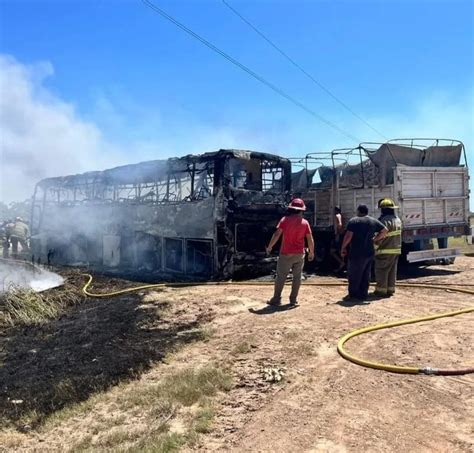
(297, 204)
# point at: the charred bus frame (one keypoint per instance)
(199, 216)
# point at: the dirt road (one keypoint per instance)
(328, 404)
(323, 403)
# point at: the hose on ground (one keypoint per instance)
(401, 369)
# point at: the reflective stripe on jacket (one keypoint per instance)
(391, 244)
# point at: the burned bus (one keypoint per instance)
(203, 216)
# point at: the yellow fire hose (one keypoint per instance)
(345, 338)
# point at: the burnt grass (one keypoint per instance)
(92, 346)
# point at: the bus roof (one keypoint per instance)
(153, 170)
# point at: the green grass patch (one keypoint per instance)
(159, 443)
(203, 420)
(187, 387)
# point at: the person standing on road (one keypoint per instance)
(338, 236)
(388, 251)
(294, 230)
(361, 233)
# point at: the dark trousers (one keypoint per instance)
(358, 274)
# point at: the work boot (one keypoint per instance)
(293, 303)
(349, 298)
(378, 295)
(274, 302)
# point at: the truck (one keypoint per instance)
(427, 178)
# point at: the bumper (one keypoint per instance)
(430, 255)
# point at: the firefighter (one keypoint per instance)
(19, 233)
(388, 251)
(5, 237)
(294, 230)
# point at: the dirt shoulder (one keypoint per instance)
(323, 402)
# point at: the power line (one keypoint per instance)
(246, 69)
(306, 73)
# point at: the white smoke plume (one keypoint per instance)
(26, 276)
(41, 134)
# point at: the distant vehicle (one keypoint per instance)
(199, 216)
(427, 178)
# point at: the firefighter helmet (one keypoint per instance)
(387, 203)
(297, 204)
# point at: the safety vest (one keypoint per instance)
(392, 243)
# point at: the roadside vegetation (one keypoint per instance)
(66, 359)
(154, 417)
(466, 248)
(25, 307)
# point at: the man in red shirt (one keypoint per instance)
(294, 230)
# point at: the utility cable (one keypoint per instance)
(249, 71)
(300, 68)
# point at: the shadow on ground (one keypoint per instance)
(352, 302)
(270, 309)
(95, 345)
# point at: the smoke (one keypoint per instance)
(42, 135)
(26, 276)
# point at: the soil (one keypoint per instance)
(323, 403)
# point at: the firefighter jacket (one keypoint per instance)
(392, 243)
(19, 230)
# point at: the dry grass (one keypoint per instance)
(302, 349)
(245, 346)
(296, 342)
(206, 333)
(461, 243)
(181, 399)
(26, 307)
(203, 420)
(142, 415)
(185, 388)
(292, 335)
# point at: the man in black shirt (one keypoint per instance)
(361, 233)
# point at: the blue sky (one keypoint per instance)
(117, 79)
